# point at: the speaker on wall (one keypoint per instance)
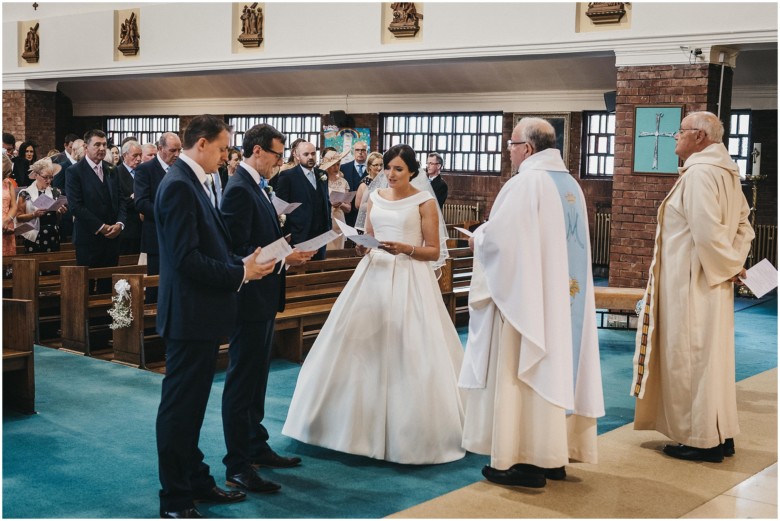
(341, 119)
(609, 100)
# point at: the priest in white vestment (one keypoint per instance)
(532, 366)
(684, 360)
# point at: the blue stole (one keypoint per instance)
(577, 254)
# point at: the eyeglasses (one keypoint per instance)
(46, 177)
(681, 130)
(279, 155)
(360, 149)
(510, 143)
(433, 163)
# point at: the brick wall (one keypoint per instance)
(635, 197)
(30, 116)
(13, 114)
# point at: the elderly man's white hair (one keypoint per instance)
(709, 123)
(128, 145)
(538, 132)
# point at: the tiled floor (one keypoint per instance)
(756, 497)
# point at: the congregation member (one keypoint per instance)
(99, 207)
(305, 184)
(130, 239)
(65, 158)
(354, 171)
(234, 158)
(45, 235)
(532, 370)
(374, 166)
(381, 378)
(77, 151)
(684, 361)
(252, 222)
(434, 164)
(22, 163)
(9, 144)
(199, 282)
(148, 151)
(9, 208)
(114, 156)
(330, 163)
(148, 176)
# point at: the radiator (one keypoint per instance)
(460, 213)
(600, 246)
(764, 245)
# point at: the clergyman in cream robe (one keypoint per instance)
(684, 359)
(531, 368)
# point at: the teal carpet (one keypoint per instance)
(90, 452)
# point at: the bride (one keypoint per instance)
(381, 378)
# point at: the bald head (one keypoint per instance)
(698, 130)
(530, 136)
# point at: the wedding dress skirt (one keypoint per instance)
(381, 378)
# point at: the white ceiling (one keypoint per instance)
(755, 68)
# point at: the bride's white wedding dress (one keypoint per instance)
(381, 378)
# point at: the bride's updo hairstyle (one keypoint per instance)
(407, 155)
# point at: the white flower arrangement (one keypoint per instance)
(324, 177)
(120, 311)
(282, 220)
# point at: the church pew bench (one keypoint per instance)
(18, 359)
(84, 315)
(37, 278)
(297, 321)
(130, 344)
(65, 246)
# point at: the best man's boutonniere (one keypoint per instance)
(323, 176)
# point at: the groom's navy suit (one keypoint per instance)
(197, 301)
(312, 218)
(252, 221)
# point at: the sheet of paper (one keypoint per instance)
(276, 251)
(464, 231)
(342, 197)
(761, 278)
(43, 202)
(318, 242)
(283, 207)
(59, 203)
(352, 234)
(22, 228)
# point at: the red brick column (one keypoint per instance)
(635, 197)
(31, 115)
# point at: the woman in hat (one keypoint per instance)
(45, 235)
(331, 163)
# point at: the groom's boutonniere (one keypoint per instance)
(323, 176)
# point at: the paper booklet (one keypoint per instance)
(352, 234)
(341, 197)
(318, 242)
(276, 251)
(761, 278)
(23, 228)
(283, 207)
(44, 202)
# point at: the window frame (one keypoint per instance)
(148, 131)
(746, 137)
(298, 130)
(586, 153)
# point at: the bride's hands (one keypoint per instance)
(395, 248)
(361, 250)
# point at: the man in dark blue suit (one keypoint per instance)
(99, 206)
(77, 151)
(199, 281)
(252, 221)
(148, 176)
(309, 186)
(130, 239)
(354, 171)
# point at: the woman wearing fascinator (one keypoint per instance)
(386, 387)
(45, 235)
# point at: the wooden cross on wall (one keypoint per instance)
(657, 134)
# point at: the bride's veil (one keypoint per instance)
(422, 183)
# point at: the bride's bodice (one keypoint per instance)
(398, 221)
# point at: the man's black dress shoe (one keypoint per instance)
(516, 476)
(187, 513)
(272, 460)
(217, 495)
(713, 454)
(250, 481)
(556, 474)
(728, 447)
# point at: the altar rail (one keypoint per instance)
(764, 245)
(460, 213)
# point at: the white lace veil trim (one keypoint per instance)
(422, 183)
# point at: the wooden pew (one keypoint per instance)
(37, 278)
(79, 309)
(18, 359)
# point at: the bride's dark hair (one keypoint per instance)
(407, 155)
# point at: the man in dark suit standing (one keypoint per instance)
(130, 239)
(252, 222)
(99, 206)
(354, 172)
(148, 176)
(309, 186)
(434, 164)
(199, 281)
